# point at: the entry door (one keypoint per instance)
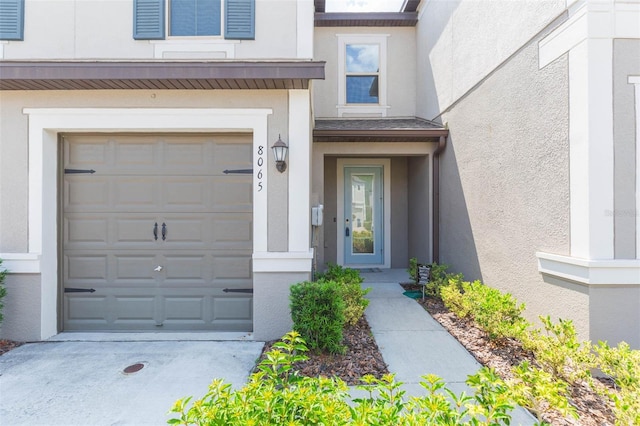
(363, 230)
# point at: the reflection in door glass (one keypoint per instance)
(362, 211)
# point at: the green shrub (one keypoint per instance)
(277, 395)
(317, 311)
(413, 269)
(559, 351)
(351, 291)
(3, 290)
(535, 389)
(623, 365)
(496, 313)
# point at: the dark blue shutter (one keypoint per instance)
(239, 19)
(11, 19)
(148, 19)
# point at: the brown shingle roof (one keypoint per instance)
(378, 130)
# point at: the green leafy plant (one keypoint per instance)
(317, 311)
(498, 314)
(350, 287)
(622, 364)
(277, 395)
(3, 290)
(413, 269)
(534, 389)
(559, 351)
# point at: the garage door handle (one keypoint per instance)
(155, 231)
(164, 231)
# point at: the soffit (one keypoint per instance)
(180, 75)
(378, 130)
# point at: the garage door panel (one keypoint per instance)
(233, 156)
(231, 194)
(231, 266)
(232, 308)
(135, 154)
(181, 154)
(181, 309)
(135, 267)
(136, 193)
(86, 267)
(185, 193)
(86, 231)
(232, 231)
(87, 153)
(144, 283)
(185, 270)
(134, 308)
(86, 193)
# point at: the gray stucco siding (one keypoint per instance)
(505, 184)
(626, 62)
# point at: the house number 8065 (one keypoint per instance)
(260, 162)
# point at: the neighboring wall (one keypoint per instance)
(504, 179)
(460, 42)
(104, 30)
(626, 62)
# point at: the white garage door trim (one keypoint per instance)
(46, 123)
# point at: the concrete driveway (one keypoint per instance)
(84, 383)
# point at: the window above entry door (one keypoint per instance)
(362, 74)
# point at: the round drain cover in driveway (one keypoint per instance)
(134, 368)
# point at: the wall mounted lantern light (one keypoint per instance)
(280, 153)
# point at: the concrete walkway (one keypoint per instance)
(413, 344)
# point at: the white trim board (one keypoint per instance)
(621, 272)
(46, 123)
(635, 80)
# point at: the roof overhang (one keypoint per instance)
(378, 130)
(180, 75)
(367, 19)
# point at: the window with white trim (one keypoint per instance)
(362, 73)
(362, 87)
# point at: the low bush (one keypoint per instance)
(535, 389)
(622, 364)
(350, 287)
(277, 395)
(317, 311)
(559, 351)
(498, 314)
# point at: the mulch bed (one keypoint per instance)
(7, 345)
(362, 357)
(501, 355)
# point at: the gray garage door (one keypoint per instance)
(158, 237)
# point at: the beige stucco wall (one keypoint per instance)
(505, 185)
(401, 69)
(461, 41)
(22, 304)
(399, 212)
(626, 62)
(419, 209)
(95, 29)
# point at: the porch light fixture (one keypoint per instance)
(280, 153)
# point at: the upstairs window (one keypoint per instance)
(194, 18)
(362, 73)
